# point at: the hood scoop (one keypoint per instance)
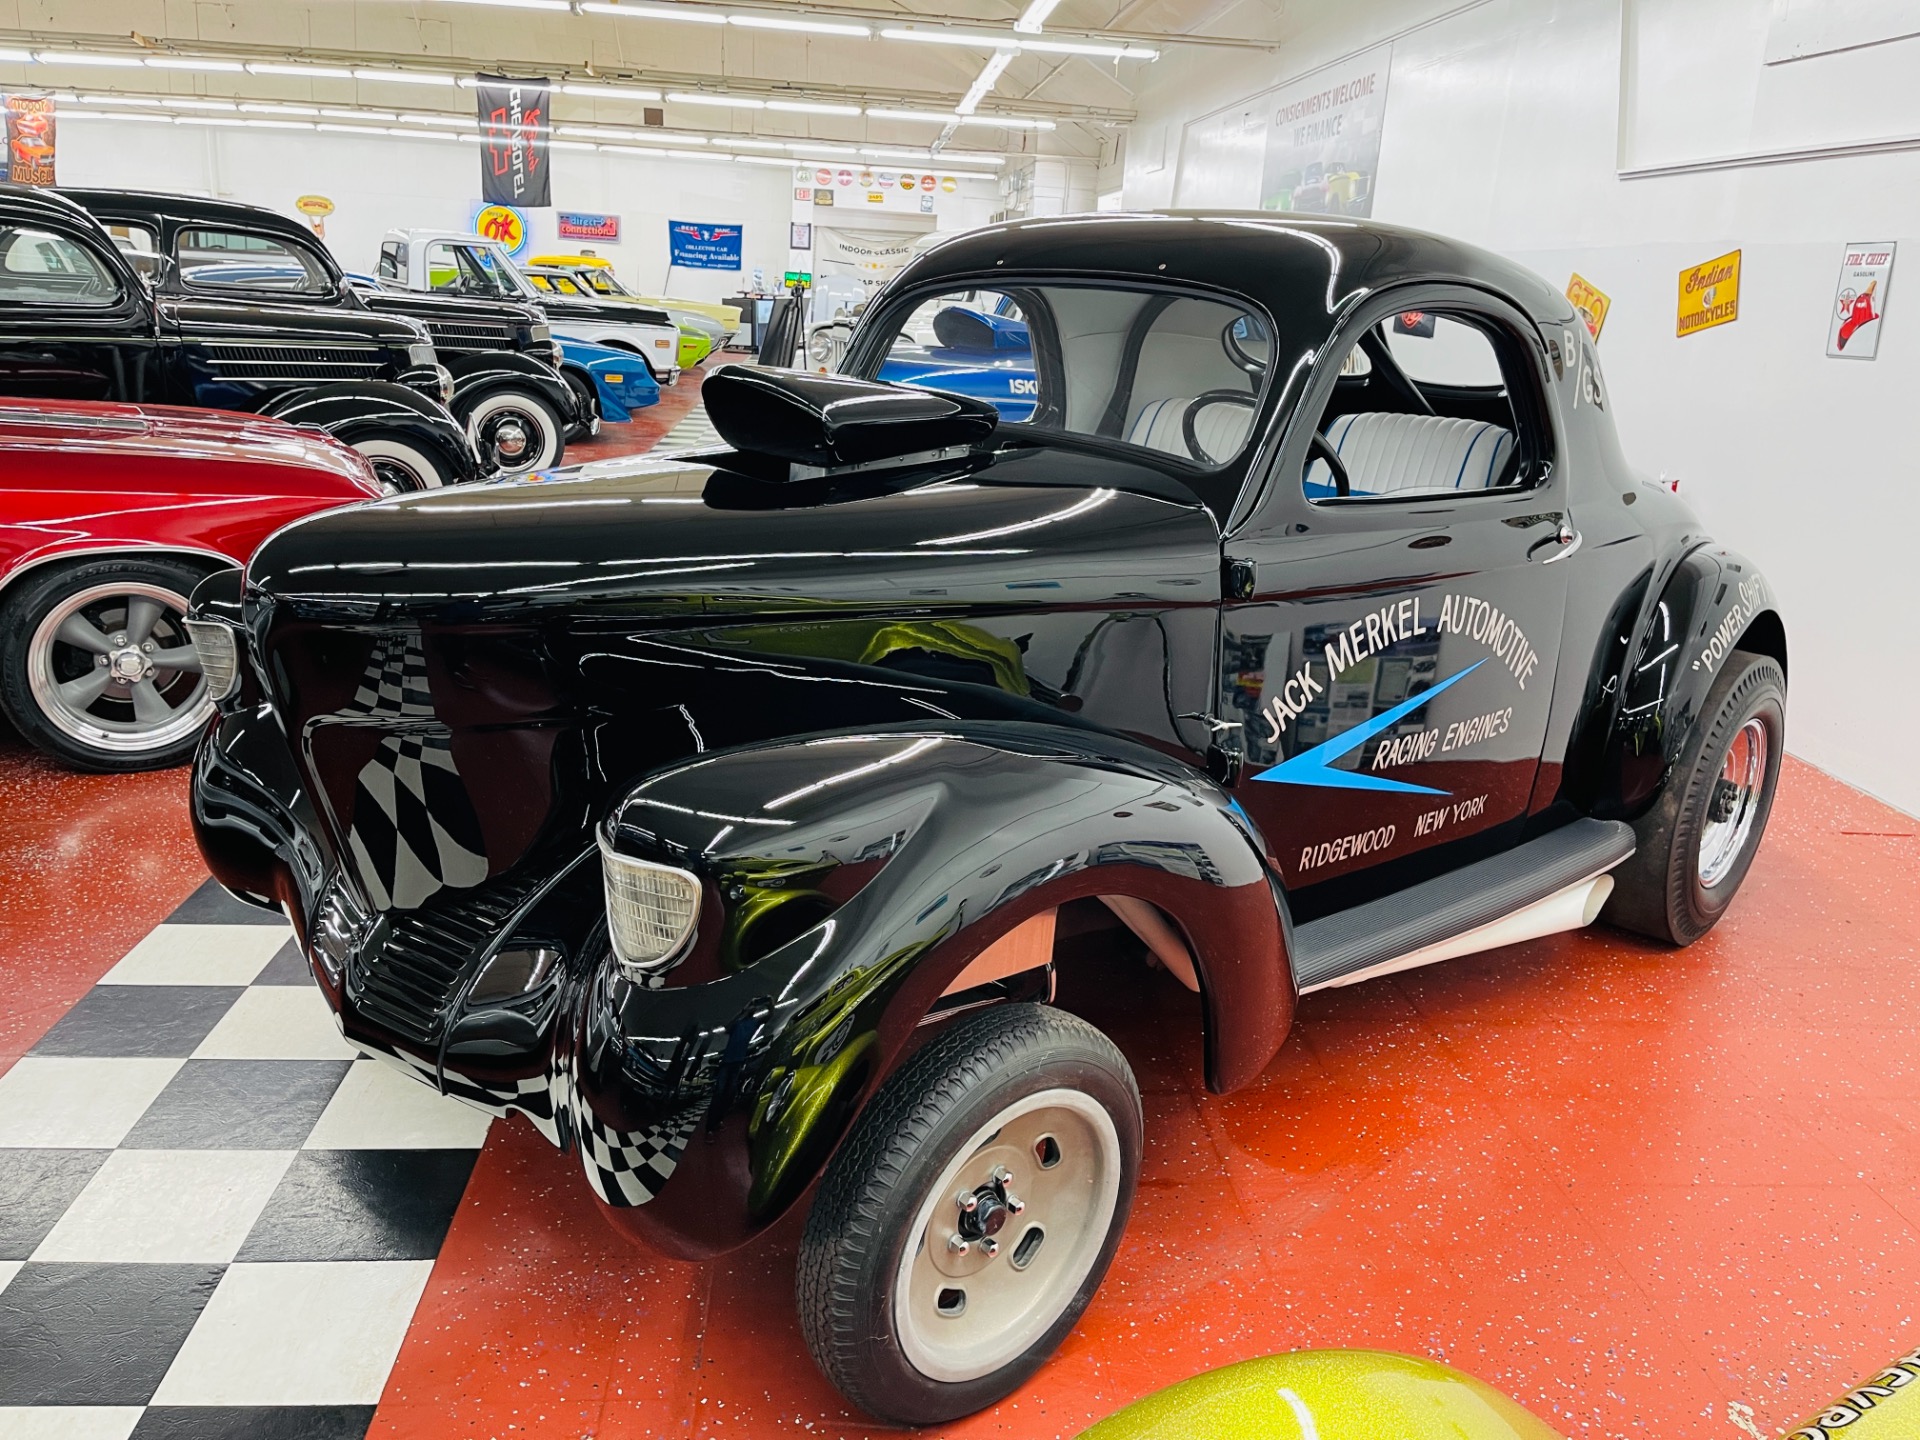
(822, 423)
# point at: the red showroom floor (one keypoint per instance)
(1631, 1188)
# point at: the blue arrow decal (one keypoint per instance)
(1315, 767)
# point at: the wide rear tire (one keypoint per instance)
(1697, 842)
(1033, 1116)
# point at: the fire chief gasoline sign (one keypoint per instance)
(1709, 294)
(514, 125)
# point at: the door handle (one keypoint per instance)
(1562, 543)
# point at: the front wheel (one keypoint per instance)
(970, 1216)
(97, 668)
(513, 432)
(401, 466)
(1696, 843)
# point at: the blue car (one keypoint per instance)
(987, 357)
(620, 379)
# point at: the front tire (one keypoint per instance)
(1033, 1116)
(1697, 842)
(514, 432)
(401, 466)
(96, 666)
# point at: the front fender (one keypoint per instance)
(477, 376)
(909, 850)
(1715, 601)
(354, 410)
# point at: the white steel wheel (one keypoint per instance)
(514, 432)
(401, 468)
(970, 1214)
(1007, 1235)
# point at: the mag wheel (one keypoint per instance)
(971, 1214)
(96, 665)
(1697, 842)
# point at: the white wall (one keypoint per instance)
(1505, 127)
(380, 184)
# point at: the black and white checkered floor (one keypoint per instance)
(215, 1219)
(694, 432)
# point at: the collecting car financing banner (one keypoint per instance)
(513, 161)
(1323, 138)
(29, 136)
(703, 247)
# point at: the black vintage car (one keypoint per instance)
(716, 812)
(78, 323)
(507, 390)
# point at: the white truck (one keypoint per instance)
(452, 262)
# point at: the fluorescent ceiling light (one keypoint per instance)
(83, 57)
(183, 62)
(360, 114)
(279, 124)
(810, 27)
(981, 41)
(259, 107)
(1035, 16)
(755, 144)
(954, 117)
(185, 103)
(206, 120)
(983, 84)
(560, 5)
(17, 57)
(571, 145)
(656, 12)
(311, 72)
(461, 120)
(112, 99)
(680, 97)
(145, 119)
(610, 92)
(426, 135)
(809, 107)
(814, 147)
(355, 130)
(404, 77)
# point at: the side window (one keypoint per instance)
(972, 342)
(1424, 405)
(38, 267)
(393, 261)
(224, 260)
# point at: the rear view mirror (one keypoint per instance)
(971, 332)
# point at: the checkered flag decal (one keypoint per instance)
(414, 831)
(628, 1167)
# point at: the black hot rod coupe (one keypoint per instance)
(714, 812)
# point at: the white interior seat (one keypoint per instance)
(1221, 428)
(1414, 454)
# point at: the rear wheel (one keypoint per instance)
(972, 1213)
(402, 466)
(1696, 844)
(513, 431)
(96, 665)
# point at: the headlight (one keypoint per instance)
(651, 910)
(219, 652)
(422, 355)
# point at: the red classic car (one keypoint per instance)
(109, 516)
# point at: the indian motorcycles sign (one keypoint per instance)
(514, 125)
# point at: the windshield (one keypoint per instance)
(1168, 371)
(474, 268)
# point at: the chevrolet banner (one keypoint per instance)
(514, 124)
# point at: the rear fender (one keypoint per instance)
(357, 410)
(907, 852)
(477, 376)
(1715, 602)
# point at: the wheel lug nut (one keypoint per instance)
(1015, 1204)
(968, 1201)
(1002, 1175)
(991, 1246)
(957, 1244)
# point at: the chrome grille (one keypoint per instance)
(460, 336)
(294, 362)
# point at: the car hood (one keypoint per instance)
(200, 441)
(242, 321)
(561, 308)
(680, 536)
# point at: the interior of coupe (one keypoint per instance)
(1421, 407)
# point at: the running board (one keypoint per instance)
(1557, 882)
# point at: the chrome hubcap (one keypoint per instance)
(1003, 1243)
(510, 440)
(112, 666)
(1734, 805)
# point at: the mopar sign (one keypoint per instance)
(703, 247)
